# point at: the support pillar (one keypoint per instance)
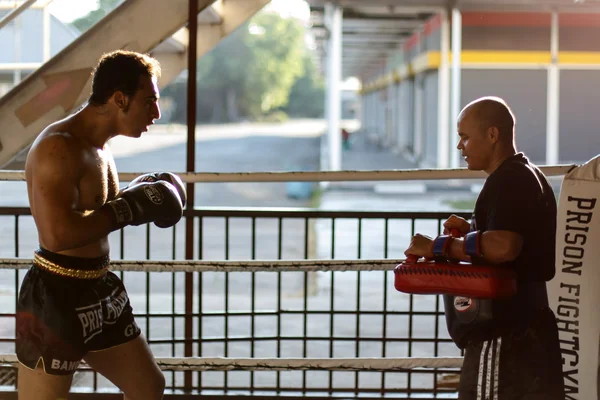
(456, 85)
(192, 60)
(553, 103)
(418, 138)
(363, 107)
(373, 112)
(400, 114)
(390, 106)
(334, 77)
(443, 153)
(324, 164)
(418, 145)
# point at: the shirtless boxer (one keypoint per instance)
(70, 306)
(511, 345)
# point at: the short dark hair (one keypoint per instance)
(121, 70)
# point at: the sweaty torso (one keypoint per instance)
(97, 182)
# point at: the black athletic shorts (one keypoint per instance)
(524, 364)
(60, 318)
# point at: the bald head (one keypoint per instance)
(491, 112)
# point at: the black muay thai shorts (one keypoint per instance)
(68, 306)
(522, 364)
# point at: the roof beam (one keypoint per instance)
(432, 6)
(400, 6)
(377, 23)
(391, 37)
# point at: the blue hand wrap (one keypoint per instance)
(473, 244)
(441, 245)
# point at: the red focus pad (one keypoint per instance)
(474, 281)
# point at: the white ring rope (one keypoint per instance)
(322, 176)
(291, 364)
(230, 266)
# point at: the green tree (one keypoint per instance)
(307, 97)
(104, 7)
(251, 72)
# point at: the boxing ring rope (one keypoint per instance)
(322, 176)
(232, 266)
(400, 364)
(283, 364)
(265, 364)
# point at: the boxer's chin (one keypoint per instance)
(143, 130)
(134, 134)
(466, 160)
(470, 164)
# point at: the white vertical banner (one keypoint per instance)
(574, 293)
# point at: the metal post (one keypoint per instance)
(325, 139)
(334, 66)
(370, 112)
(191, 167)
(399, 115)
(381, 105)
(391, 107)
(404, 114)
(443, 153)
(418, 144)
(456, 82)
(553, 102)
(373, 110)
(363, 107)
(366, 111)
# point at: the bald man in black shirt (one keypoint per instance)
(511, 345)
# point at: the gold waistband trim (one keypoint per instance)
(67, 272)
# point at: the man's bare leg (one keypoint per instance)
(35, 384)
(132, 368)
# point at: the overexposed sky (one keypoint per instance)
(68, 10)
(296, 8)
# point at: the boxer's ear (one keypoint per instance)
(121, 100)
(493, 134)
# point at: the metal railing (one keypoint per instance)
(270, 314)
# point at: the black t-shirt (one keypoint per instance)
(515, 197)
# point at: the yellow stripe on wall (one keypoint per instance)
(431, 60)
(434, 58)
(505, 57)
(425, 61)
(579, 57)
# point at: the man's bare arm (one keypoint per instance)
(496, 246)
(54, 183)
